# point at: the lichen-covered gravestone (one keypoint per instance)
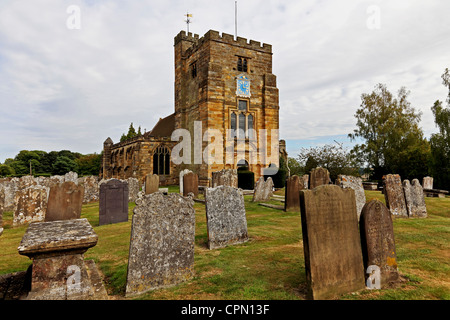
(415, 199)
(113, 207)
(162, 242)
(263, 189)
(225, 178)
(2, 207)
(427, 183)
(377, 241)
(394, 195)
(30, 205)
(354, 183)
(64, 201)
(225, 217)
(331, 242)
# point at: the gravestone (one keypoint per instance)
(190, 184)
(30, 205)
(182, 173)
(64, 201)
(394, 195)
(263, 189)
(427, 183)
(151, 183)
(162, 242)
(415, 199)
(2, 207)
(57, 249)
(225, 178)
(354, 183)
(90, 184)
(291, 196)
(318, 176)
(133, 189)
(113, 207)
(331, 242)
(305, 179)
(225, 217)
(377, 240)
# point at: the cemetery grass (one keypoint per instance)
(271, 264)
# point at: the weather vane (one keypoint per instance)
(188, 20)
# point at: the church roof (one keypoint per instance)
(163, 128)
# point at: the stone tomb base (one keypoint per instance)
(59, 271)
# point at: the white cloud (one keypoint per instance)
(71, 89)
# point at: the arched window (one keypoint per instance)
(250, 126)
(241, 124)
(233, 121)
(161, 161)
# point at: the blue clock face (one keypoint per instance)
(243, 87)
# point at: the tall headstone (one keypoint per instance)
(291, 196)
(394, 195)
(427, 183)
(377, 241)
(190, 184)
(354, 183)
(151, 183)
(162, 242)
(331, 242)
(133, 189)
(225, 177)
(318, 176)
(225, 217)
(305, 179)
(30, 205)
(2, 208)
(90, 184)
(57, 249)
(64, 201)
(113, 207)
(182, 173)
(263, 189)
(415, 199)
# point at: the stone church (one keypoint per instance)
(221, 83)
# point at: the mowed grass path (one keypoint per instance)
(270, 265)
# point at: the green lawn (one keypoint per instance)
(270, 265)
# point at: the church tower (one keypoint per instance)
(227, 84)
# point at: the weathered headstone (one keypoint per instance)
(64, 202)
(263, 189)
(291, 196)
(113, 207)
(57, 249)
(225, 178)
(162, 242)
(190, 184)
(182, 173)
(30, 205)
(225, 217)
(2, 207)
(91, 189)
(331, 242)
(415, 199)
(71, 176)
(354, 183)
(133, 189)
(427, 183)
(377, 241)
(394, 195)
(151, 183)
(318, 176)
(305, 179)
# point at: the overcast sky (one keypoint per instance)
(68, 88)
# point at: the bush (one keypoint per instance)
(246, 179)
(279, 179)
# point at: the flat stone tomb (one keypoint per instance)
(113, 207)
(162, 242)
(57, 248)
(331, 242)
(377, 241)
(225, 217)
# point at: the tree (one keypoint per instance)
(392, 137)
(6, 170)
(295, 168)
(131, 133)
(64, 164)
(89, 164)
(440, 142)
(335, 158)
